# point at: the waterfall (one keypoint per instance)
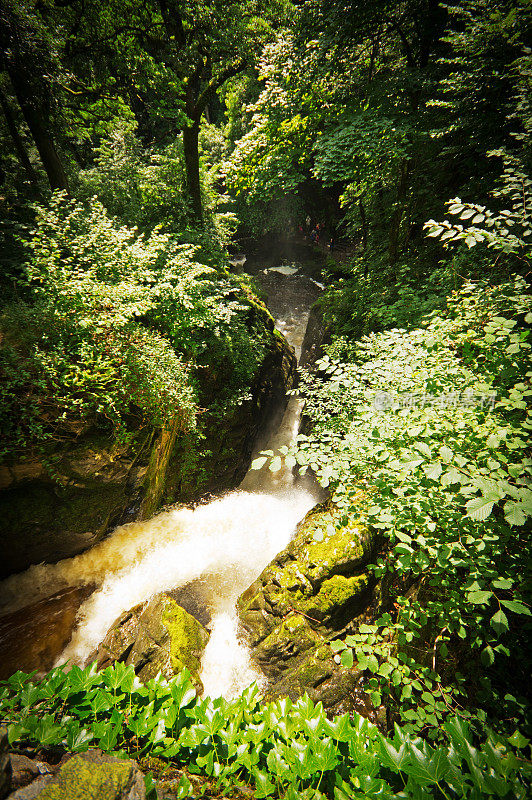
(218, 548)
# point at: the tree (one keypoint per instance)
(28, 60)
(206, 45)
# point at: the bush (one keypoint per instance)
(112, 329)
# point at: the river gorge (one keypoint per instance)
(205, 555)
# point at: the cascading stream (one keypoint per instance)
(217, 549)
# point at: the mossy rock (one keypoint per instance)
(340, 690)
(320, 574)
(312, 590)
(289, 640)
(159, 636)
(93, 776)
(187, 638)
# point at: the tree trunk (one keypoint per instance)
(37, 121)
(190, 146)
(17, 141)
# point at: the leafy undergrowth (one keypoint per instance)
(281, 749)
(425, 434)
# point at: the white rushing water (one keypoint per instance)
(219, 548)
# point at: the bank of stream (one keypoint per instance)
(205, 556)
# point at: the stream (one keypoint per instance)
(207, 556)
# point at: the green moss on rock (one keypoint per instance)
(187, 638)
(339, 591)
(311, 591)
(80, 779)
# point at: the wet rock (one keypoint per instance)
(5, 765)
(91, 776)
(32, 790)
(21, 641)
(48, 516)
(158, 636)
(23, 770)
(313, 590)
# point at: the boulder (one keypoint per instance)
(89, 776)
(157, 636)
(22, 643)
(24, 770)
(315, 589)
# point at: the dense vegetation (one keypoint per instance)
(284, 749)
(139, 142)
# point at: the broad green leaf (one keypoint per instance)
(479, 597)
(516, 606)
(479, 508)
(499, 622)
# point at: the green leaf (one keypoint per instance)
(433, 471)
(373, 664)
(347, 658)
(479, 598)
(276, 464)
(499, 622)
(517, 607)
(518, 740)
(487, 656)
(479, 508)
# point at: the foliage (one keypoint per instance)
(115, 327)
(140, 187)
(283, 749)
(425, 433)
(505, 230)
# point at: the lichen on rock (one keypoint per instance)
(94, 776)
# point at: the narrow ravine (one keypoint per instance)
(211, 553)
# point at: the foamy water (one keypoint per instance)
(228, 541)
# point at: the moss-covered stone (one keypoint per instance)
(338, 592)
(311, 591)
(158, 636)
(187, 638)
(100, 778)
